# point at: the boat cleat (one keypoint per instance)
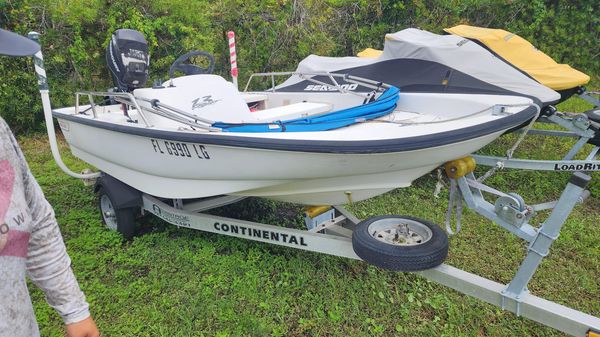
(460, 167)
(499, 110)
(512, 209)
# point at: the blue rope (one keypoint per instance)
(385, 104)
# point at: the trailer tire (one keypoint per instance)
(400, 243)
(122, 220)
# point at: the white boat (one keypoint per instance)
(198, 136)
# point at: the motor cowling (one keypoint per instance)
(128, 59)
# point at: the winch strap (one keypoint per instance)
(454, 198)
(482, 187)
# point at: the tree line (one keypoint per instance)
(272, 35)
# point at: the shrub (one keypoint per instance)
(273, 35)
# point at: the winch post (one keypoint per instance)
(476, 201)
(461, 170)
(540, 245)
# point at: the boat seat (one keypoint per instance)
(291, 111)
(213, 98)
(206, 96)
(115, 117)
(253, 97)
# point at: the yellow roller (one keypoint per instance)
(314, 211)
(470, 163)
(459, 167)
(592, 333)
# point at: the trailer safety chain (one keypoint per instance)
(440, 184)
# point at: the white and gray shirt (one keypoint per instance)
(30, 245)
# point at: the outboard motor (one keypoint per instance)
(128, 59)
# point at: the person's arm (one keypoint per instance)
(48, 265)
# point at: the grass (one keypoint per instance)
(179, 282)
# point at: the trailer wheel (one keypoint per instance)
(400, 243)
(121, 220)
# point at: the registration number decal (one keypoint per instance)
(177, 149)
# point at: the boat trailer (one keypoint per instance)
(330, 232)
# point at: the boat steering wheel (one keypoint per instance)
(192, 69)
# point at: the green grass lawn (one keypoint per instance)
(179, 282)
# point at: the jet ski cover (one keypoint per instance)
(465, 56)
(370, 52)
(523, 55)
(419, 61)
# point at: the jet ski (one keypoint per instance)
(416, 60)
(522, 55)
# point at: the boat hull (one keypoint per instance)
(185, 169)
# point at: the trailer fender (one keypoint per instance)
(123, 195)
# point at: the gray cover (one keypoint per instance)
(417, 60)
(319, 64)
(463, 55)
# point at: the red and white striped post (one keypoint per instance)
(233, 57)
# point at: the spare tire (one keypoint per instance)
(400, 243)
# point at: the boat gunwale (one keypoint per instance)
(319, 146)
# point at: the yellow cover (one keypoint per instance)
(523, 55)
(370, 53)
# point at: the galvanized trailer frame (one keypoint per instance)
(333, 236)
(515, 296)
(577, 126)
